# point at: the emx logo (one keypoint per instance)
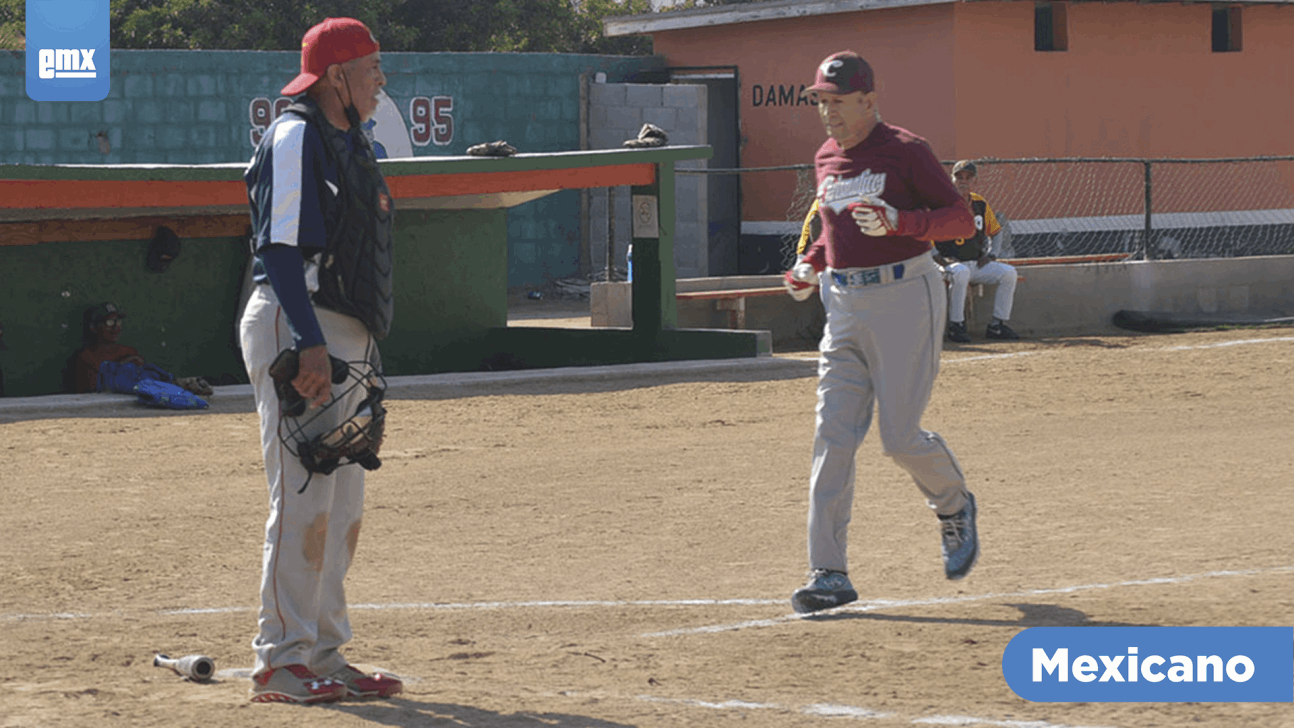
(68, 50)
(67, 63)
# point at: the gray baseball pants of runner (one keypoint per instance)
(879, 353)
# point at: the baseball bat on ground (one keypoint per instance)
(193, 667)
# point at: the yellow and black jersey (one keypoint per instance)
(976, 246)
(806, 232)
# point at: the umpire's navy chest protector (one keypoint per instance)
(355, 269)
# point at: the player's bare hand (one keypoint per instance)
(314, 375)
(875, 216)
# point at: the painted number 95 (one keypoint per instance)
(263, 113)
(431, 120)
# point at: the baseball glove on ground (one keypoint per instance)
(197, 385)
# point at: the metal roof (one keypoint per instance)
(780, 9)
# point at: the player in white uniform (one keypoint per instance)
(973, 261)
(882, 197)
(314, 175)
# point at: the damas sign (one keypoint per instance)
(1151, 664)
(67, 50)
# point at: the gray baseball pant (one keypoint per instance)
(310, 537)
(879, 353)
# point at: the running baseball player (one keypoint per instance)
(973, 261)
(322, 220)
(882, 198)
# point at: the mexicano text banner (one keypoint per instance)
(1152, 664)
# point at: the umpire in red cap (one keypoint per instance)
(322, 222)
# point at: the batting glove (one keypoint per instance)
(875, 216)
(800, 281)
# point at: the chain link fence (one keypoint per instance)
(1108, 208)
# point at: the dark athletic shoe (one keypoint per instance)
(957, 332)
(826, 589)
(1001, 332)
(960, 540)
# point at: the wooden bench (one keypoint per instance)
(733, 301)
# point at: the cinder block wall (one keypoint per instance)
(617, 111)
(197, 107)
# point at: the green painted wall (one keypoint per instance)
(195, 107)
(180, 318)
(450, 272)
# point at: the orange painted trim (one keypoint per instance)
(134, 228)
(476, 183)
(77, 194)
(83, 194)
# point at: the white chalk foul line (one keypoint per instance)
(877, 604)
(1052, 352)
(867, 606)
(982, 357)
(832, 710)
(1192, 347)
(427, 606)
(1238, 342)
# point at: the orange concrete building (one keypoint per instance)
(1000, 79)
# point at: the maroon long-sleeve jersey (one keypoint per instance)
(899, 167)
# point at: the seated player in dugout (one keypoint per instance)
(103, 323)
(974, 261)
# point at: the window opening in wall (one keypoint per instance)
(1226, 29)
(1049, 27)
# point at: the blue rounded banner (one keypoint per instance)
(1152, 664)
(68, 50)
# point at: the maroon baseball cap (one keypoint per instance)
(842, 73)
(335, 40)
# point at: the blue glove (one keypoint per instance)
(164, 394)
(123, 376)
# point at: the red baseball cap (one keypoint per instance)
(335, 40)
(843, 73)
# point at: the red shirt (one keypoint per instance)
(898, 166)
(89, 359)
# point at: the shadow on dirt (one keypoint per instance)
(407, 713)
(1031, 615)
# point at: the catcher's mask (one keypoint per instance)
(347, 429)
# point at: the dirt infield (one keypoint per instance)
(622, 553)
